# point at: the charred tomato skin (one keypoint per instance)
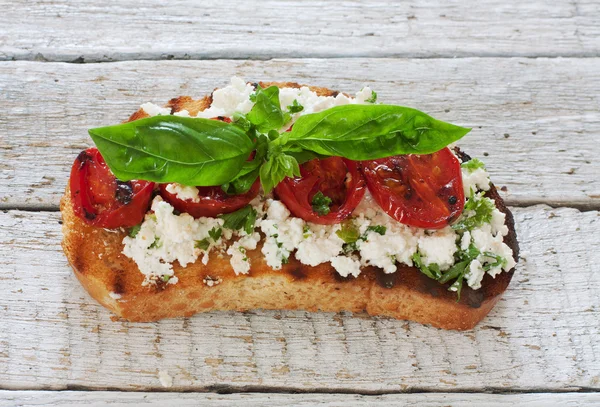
(424, 191)
(100, 199)
(337, 178)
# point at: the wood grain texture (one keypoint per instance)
(537, 119)
(103, 398)
(542, 336)
(89, 31)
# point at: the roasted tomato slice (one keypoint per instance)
(337, 179)
(212, 201)
(103, 201)
(425, 191)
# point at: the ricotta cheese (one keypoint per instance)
(184, 192)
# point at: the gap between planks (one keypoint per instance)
(239, 56)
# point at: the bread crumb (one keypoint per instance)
(165, 379)
(212, 281)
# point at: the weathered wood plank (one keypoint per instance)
(124, 30)
(538, 119)
(102, 398)
(543, 335)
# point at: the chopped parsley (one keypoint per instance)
(457, 272)
(478, 210)
(135, 230)
(295, 107)
(377, 229)
(321, 203)
(202, 244)
(432, 271)
(473, 164)
(244, 218)
(215, 233)
(373, 97)
(350, 234)
(166, 278)
(155, 244)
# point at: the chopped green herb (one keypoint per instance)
(155, 244)
(499, 261)
(215, 233)
(244, 218)
(295, 107)
(306, 231)
(473, 164)
(373, 97)
(166, 278)
(432, 271)
(349, 233)
(377, 229)
(478, 210)
(202, 244)
(135, 230)
(321, 203)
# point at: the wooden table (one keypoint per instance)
(524, 74)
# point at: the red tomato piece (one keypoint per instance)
(103, 201)
(337, 178)
(213, 201)
(425, 191)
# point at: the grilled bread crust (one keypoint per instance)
(115, 281)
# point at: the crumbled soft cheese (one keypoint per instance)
(363, 95)
(438, 247)
(239, 259)
(346, 265)
(184, 192)
(154, 110)
(229, 100)
(165, 237)
(283, 233)
(398, 244)
(476, 180)
(320, 245)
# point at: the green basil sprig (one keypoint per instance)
(202, 152)
(190, 151)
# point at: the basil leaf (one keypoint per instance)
(190, 151)
(244, 218)
(367, 132)
(244, 180)
(277, 167)
(321, 203)
(266, 114)
(295, 107)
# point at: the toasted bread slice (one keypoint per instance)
(115, 281)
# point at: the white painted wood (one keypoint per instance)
(538, 119)
(542, 336)
(108, 30)
(114, 399)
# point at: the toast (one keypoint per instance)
(114, 280)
